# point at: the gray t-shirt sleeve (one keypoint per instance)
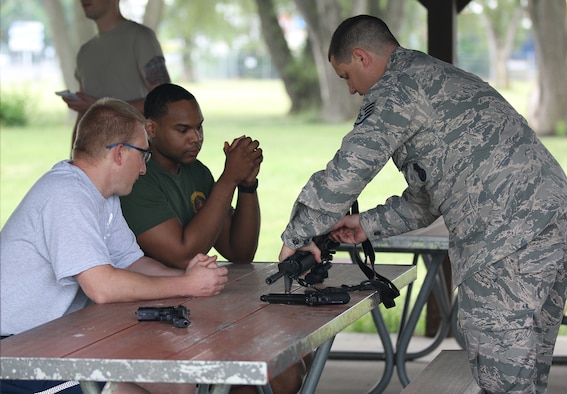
(83, 232)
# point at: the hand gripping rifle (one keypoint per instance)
(301, 262)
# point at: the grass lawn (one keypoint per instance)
(294, 147)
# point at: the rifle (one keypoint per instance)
(310, 298)
(301, 262)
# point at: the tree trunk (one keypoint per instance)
(392, 15)
(322, 18)
(549, 109)
(501, 39)
(64, 47)
(300, 85)
(67, 45)
(152, 14)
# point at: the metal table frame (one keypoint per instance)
(433, 250)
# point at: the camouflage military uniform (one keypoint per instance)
(510, 313)
(465, 153)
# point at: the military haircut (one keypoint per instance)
(362, 31)
(106, 122)
(155, 105)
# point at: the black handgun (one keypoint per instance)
(301, 262)
(311, 298)
(178, 315)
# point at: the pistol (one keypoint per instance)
(177, 315)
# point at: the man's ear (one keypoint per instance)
(361, 56)
(151, 128)
(117, 154)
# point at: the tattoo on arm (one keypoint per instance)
(156, 72)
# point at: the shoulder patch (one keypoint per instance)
(364, 113)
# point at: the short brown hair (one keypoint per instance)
(106, 122)
(361, 31)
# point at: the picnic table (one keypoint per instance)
(232, 339)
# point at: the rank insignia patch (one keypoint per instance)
(364, 113)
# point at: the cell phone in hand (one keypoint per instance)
(67, 94)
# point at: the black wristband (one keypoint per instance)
(248, 189)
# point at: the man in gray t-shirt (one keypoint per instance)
(67, 243)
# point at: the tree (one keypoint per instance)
(67, 45)
(322, 18)
(205, 23)
(297, 73)
(152, 14)
(308, 78)
(549, 19)
(501, 21)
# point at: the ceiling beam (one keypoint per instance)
(442, 27)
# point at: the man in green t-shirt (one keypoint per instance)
(177, 209)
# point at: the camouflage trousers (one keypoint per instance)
(510, 314)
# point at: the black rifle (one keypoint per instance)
(300, 262)
(310, 298)
(178, 315)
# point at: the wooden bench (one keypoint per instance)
(448, 373)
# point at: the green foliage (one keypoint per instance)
(561, 129)
(33, 104)
(13, 109)
(215, 20)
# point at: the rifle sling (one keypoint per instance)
(385, 288)
(382, 285)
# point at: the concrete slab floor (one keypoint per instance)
(350, 376)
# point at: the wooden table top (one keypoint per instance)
(233, 338)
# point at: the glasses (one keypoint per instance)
(146, 154)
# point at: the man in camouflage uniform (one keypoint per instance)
(467, 155)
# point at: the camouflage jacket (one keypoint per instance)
(465, 153)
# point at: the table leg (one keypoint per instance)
(433, 262)
(388, 352)
(312, 378)
(266, 389)
(442, 297)
(220, 389)
(388, 356)
(90, 387)
(225, 388)
(203, 389)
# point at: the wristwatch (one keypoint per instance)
(248, 189)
